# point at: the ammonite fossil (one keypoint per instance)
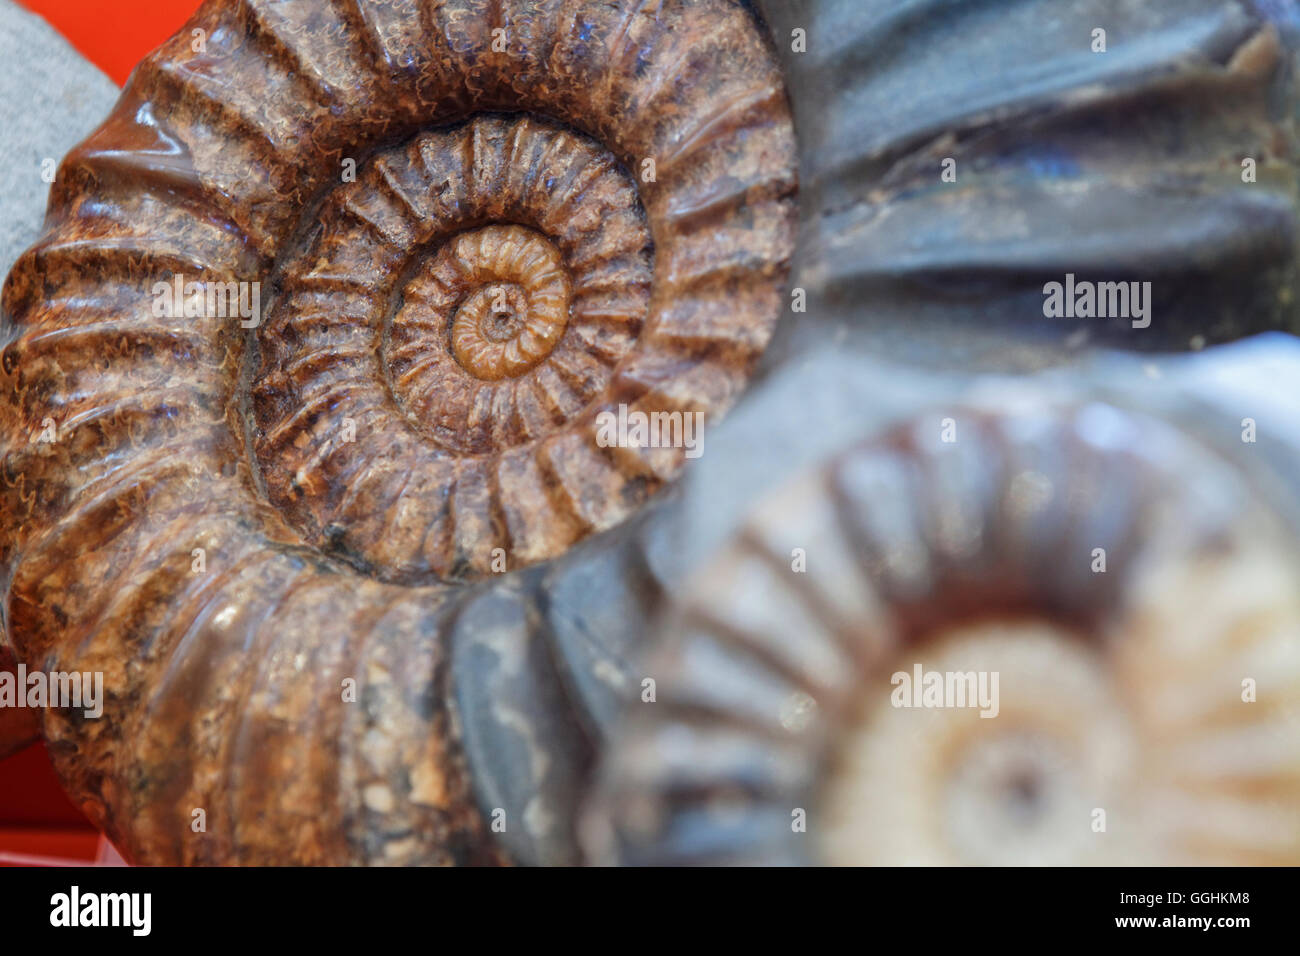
(300, 387)
(958, 157)
(318, 330)
(1123, 679)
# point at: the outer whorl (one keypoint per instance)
(475, 223)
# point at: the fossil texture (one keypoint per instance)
(362, 580)
(1123, 165)
(474, 224)
(474, 432)
(1119, 689)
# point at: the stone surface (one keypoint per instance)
(51, 97)
(1123, 165)
(19, 726)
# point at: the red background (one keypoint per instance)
(36, 819)
(114, 34)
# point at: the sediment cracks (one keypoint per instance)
(558, 207)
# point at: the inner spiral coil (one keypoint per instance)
(462, 311)
(519, 311)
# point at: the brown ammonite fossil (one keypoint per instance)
(469, 304)
(440, 237)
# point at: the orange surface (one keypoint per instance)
(114, 34)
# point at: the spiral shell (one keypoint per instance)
(497, 344)
(232, 526)
(778, 734)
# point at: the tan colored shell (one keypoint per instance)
(512, 322)
(778, 733)
(203, 528)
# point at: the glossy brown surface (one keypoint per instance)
(465, 437)
(182, 510)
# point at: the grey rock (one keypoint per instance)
(1122, 166)
(527, 757)
(51, 98)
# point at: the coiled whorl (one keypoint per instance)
(1120, 587)
(201, 526)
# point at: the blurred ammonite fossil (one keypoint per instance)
(1110, 601)
(474, 225)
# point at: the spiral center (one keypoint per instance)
(1003, 739)
(461, 306)
(512, 299)
(497, 313)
